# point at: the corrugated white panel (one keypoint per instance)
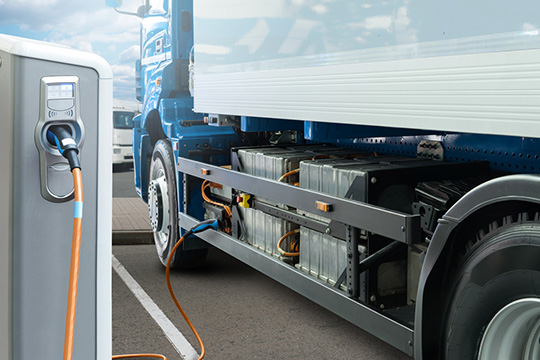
(490, 93)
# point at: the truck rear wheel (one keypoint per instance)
(163, 208)
(493, 311)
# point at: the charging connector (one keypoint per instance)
(61, 137)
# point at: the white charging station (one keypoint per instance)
(43, 84)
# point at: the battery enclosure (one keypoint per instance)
(386, 181)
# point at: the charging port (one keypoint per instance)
(51, 138)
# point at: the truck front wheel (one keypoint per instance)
(163, 208)
(493, 311)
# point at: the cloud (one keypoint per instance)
(404, 33)
(529, 27)
(101, 26)
(381, 22)
(402, 20)
(123, 74)
(360, 40)
(319, 9)
(36, 3)
(87, 26)
(131, 54)
(37, 13)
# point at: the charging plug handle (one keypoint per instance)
(62, 138)
(205, 225)
(202, 226)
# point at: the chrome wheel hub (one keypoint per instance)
(513, 333)
(158, 206)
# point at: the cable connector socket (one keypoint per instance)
(61, 137)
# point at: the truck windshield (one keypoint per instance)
(123, 120)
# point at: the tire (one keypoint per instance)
(163, 208)
(493, 309)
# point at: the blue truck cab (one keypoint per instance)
(168, 123)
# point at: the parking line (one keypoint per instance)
(175, 337)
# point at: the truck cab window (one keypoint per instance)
(123, 120)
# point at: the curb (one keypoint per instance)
(132, 238)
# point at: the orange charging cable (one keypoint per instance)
(169, 286)
(283, 252)
(184, 315)
(205, 185)
(167, 278)
(74, 278)
(139, 355)
(74, 267)
(286, 175)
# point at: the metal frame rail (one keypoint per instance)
(402, 227)
(392, 224)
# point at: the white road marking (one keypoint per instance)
(175, 337)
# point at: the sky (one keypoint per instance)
(81, 24)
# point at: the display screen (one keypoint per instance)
(60, 91)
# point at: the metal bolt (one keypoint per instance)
(382, 306)
(328, 230)
(403, 228)
(373, 180)
(349, 290)
(410, 343)
(373, 298)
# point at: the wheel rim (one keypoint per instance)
(514, 332)
(158, 206)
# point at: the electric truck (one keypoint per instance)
(379, 158)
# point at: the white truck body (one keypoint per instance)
(405, 64)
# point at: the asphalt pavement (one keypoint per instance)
(123, 182)
(239, 312)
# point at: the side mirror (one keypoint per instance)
(141, 10)
(113, 3)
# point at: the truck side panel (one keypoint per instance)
(416, 66)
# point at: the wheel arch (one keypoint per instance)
(485, 203)
(154, 127)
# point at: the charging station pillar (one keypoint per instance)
(43, 84)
